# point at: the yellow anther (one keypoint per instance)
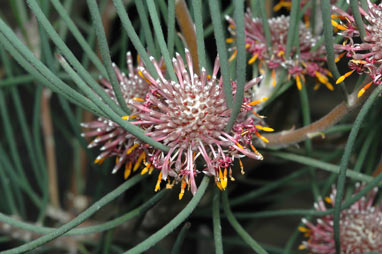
(223, 179)
(230, 174)
(141, 157)
(239, 145)
(329, 86)
(138, 99)
(281, 52)
(229, 40)
(298, 82)
(358, 61)
(328, 200)
(127, 117)
(131, 149)
(338, 26)
(273, 78)
(342, 78)
(282, 4)
(151, 169)
(146, 169)
(128, 167)
(303, 229)
(301, 247)
(241, 167)
(157, 186)
(99, 161)
(363, 90)
(306, 21)
(263, 128)
(243, 133)
(182, 188)
(322, 78)
(247, 45)
(255, 102)
(262, 137)
(233, 56)
(253, 59)
(141, 74)
(256, 152)
(169, 185)
(338, 58)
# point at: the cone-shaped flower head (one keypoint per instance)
(360, 227)
(116, 141)
(190, 116)
(366, 56)
(299, 63)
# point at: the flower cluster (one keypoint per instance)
(301, 62)
(360, 227)
(189, 116)
(366, 56)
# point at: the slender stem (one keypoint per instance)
(160, 39)
(264, 18)
(216, 222)
(78, 220)
(240, 62)
(329, 42)
(239, 229)
(354, 4)
(222, 50)
(105, 53)
(293, 26)
(94, 228)
(285, 138)
(182, 216)
(344, 162)
(322, 165)
(180, 239)
(187, 27)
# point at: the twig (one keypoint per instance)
(47, 128)
(188, 30)
(286, 138)
(68, 243)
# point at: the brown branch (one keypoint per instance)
(286, 138)
(47, 128)
(188, 30)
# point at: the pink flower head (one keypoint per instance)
(190, 116)
(116, 141)
(366, 56)
(305, 62)
(360, 227)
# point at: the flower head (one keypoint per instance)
(366, 56)
(301, 62)
(190, 116)
(360, 227)
(116, 141)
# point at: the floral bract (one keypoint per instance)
(366, 56)
(360, 227)
(299, 63)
